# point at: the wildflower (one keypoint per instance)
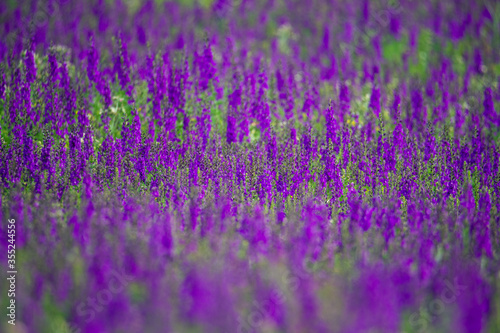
(375, 101)
(30, 66)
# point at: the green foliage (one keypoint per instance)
(393, 49)
(418, 67)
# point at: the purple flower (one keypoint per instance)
(93, 62)
(375, 101)
(30, 66)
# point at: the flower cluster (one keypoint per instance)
(308, 167)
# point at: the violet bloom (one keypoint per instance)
(373, 302)
(375, 101)
(395, 25)
(93, 62)
(395, 106)
(345, 101)
(122, 67)
(478, 62)
(207, 69)
(30, 66)
(2, 83)
(105, 91)
(231, 129)
(459, 119)
(293, 135)
(473, 295)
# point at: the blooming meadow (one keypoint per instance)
(250, 166)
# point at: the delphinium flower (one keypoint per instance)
(187, 130)
(430, 85)
(37, 112)
(400, 195)
(444, 107)
(310, 307)
(15, 110)
(331, 125)
(174, 94)
(149, 74)
(473, 294)
(203, 124)
(307, 145)
(345, 101)
(395, 108)
(75, 157)
(285, 97)
(416, 115)
(270, 302)
(26, 98)
(106, 157)
(315, 230)
(240, 107)
(88, 146)
(478, 61)
(231, 132)
(373, 302)
(293, 135)
(158, 89)
(395, 25)
(69, 95)
(254, 228)
(366, 73)
(366, 130)
(51, 95)
(105, 91)
(466, 81)
(141, 160)
(346, 146)
(207, 68)
(308, 100)
(82, 107)
(29, 155)
(207, 222)
(122, 66)
(203, 294)
(61, 168)
(375, 100)
(480, 227)
(261, 106)
(30, 65)
(46, 151)
(93, 62)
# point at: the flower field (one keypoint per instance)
(250, 166)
